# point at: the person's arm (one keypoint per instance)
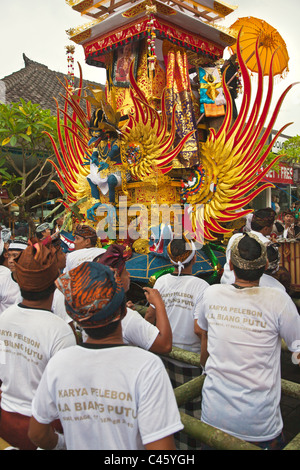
(163, 341)
(204, 353)
(166, 443)
(43, 435)
(150, 315)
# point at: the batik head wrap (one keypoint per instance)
(183, 259)
(85, 231)
(291, 213)
(113, 257)
(273, 266)
(93, 294)
(36, 268)
(246, 264)
(264, 217)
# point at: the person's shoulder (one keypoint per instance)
(52, 322)
(214, 289)
(275, 295)
(4, 271)
(143, 357)
(130, 315)
(65, 356)
(269, 281)
(164, 278)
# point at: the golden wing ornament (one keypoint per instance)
(232, 159)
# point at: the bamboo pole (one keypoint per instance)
(291, 389)
(189, 390)
(294, 444)
(213, 437)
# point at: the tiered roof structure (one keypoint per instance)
(190, 24)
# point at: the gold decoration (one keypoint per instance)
(223, 9)
(141, 246)
(79, 5)
(84, 31)
(145, 6)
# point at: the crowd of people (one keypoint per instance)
(81, 369)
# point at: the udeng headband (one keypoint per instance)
(242, 263)
(181, 263)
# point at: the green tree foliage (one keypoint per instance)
(24, 151)
(290, 153)
(292, 149)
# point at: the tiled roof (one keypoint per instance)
(38, 84)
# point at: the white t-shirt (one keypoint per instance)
(77, 257)
(58, 306)
(228, 276)
(9, 290)
(265, 281)
(29, 337)
(117, 398)
(242, 389)
(182, 296)
(269, 281)
(137, 331)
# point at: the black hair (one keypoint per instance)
(178, 248)
(100, 333)
(249, 250)
(272, 253)
(2, 257)
(104, 331)
(36, 296)
(279, 227)
(39, 235)
(94, 240)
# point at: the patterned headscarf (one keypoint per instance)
(36, 268)
(113, 257)
(85, 231)
(264, 217)
(242, 263)
(273, 252)
(93, 294)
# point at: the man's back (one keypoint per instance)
(245, 327)
(28, 338)
(182, 296)
(117, 397)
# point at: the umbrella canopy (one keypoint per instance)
(270, 42)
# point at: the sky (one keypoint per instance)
(38, 29)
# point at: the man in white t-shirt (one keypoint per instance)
(182, 294)
(85, 237)
(73, 259)
(244, 325)
(14, 250)
(29, 336)
(118, 397)
(9, 289)
(261, 225)
(136, 330)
